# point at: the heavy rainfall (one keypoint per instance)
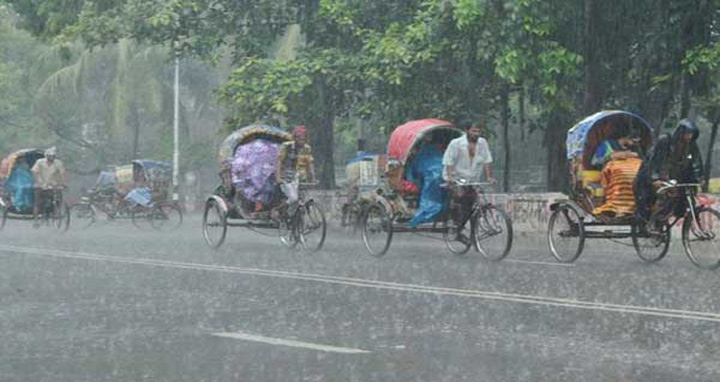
(359, 190)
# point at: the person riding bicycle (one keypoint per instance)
(467, 158)
(50, 176)
(295, 165)
(674, 157)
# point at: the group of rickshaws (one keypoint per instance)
(377, 210)
(138, 191)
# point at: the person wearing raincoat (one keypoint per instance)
(675, 157)
(20, 185)
(426, 170)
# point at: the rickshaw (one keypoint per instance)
(363, 174)
(389, 207)
(17, 199)
(575, 220)
(138, 191)
(248, 159)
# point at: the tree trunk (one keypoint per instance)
(557, 168)
(521, 111)
(324, 138)
(134, 120)
(505, 117)
(593, 79)
(708, 157)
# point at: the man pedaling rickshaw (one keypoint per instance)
(50, 178)
(295, 165)
(675, 157)
(467, 158)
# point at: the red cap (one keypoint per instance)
(300, 130)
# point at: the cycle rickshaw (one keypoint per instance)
(248, 159)
(17, 199)
(573, 221)
(487, 228)
(139, 191)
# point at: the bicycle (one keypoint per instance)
(51, 209)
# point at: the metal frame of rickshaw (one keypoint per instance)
(8, 211)
(380, 204)
(220, 213)
(577, 211)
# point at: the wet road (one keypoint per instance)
(113, 303)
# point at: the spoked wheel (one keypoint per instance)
(312, 227)
(82, 215)
(701, 238)
(214, 224)
(493, 233)
(377, 230)
(61, 218)
(458, 240)
(566, 234)
(287, 230)
(166, 217)
(140, 216)
(651, 245)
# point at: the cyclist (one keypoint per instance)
(467, 158)
(675, 157)
(50, 176)
(295, 165)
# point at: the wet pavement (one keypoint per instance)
(114, 303)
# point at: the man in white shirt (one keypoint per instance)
(468, 158)
(50, 176)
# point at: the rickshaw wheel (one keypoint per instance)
(82, 214)
(5, 213)
(453, 240)
(702, 244)
(61, 218)
(493, 232)
(166, 217)
(140, 215)
(287, 230)
(312, 227)
(214, 224)
(377, 230)
(651, 247)
(566, 234)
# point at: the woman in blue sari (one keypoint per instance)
(20, 185)
(426, 171)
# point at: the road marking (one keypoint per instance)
(291, 343)
(478, 294)
(538, 263)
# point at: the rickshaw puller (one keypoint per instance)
(295, 164)
(50, 175)
(467, 157)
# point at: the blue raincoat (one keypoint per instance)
(20, 185)
(426, 171)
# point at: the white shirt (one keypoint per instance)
(458, 156)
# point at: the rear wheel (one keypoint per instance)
(377, 230)
(458, 240)
(312, 227)
(651, 245)
(166, 217)
(493, 233)
(214, 224)
(566, 234)
(82, 215)
(701, 238)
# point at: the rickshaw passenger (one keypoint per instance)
(20, 185)
(624, 145)
(468, 158)
(426, 171)
(49, 174)
(674, 157)
(295, 164)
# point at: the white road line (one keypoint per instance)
(479, 294)
(290, 343)
(538, 263)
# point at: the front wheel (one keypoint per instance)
(701, 238)
(493, 233)
(61, 217)
(566, 234)
(651, 245)
(312, 227)
(214, 224)
(458, 240)
(166, 217)
(82, 215)
(377, 230)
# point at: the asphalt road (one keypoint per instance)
(114, 303)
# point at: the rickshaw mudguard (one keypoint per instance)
(220, 201)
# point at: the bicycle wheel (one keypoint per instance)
(312, 227)
(82, 215)
(287, 231)
(651, 246)
(566, 234)
(140, 216)
(458, 241)
(61, 218)
(493, 233)
(701, 238)
(166, 217)
(214, 224)
(377, 230)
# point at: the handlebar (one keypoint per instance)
(673, 184)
